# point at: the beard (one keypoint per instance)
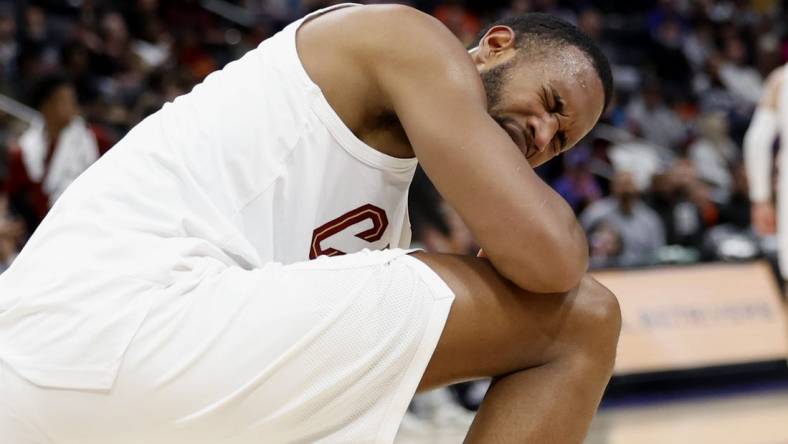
(493, 81)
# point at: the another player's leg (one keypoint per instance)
(551, 355)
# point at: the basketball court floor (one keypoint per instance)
(755, 418)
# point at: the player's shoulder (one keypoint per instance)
(395, 20)
(388, 47)
(392, 32)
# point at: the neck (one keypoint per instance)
(53, 130)
(626, 206)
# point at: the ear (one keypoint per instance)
(497, 45)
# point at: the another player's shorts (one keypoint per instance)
(327, 351)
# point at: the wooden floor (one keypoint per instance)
(760, 418)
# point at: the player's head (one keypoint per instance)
(530, 61)
(54, 95)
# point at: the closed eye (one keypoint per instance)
(558, 102)
(559, 106)
(562, 142)
(554, 104)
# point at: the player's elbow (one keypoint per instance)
(557, 269)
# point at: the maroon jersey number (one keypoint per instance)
(345, 221)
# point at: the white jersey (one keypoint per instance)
(253, 166)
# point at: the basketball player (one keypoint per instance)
(768, 119)
(169, 296)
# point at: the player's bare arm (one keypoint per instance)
(421, 72)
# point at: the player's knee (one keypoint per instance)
(597, 318)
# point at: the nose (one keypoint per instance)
(543, 128)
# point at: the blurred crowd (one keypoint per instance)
(659, 180)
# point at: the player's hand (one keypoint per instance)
(481, 253)
(763, 218)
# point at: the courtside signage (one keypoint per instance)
(677, 318)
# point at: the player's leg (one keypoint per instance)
(329, 350)
(551, 355)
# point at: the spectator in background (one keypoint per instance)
(639, 227)
(51, 153)
(591, 21)
(683, 204)
(667, 59)
(605, 246)
(653, 119)
(713, 154)
(154, 43)
(459, 19)
(743, 81)
(699, 44)
(8, 44)
(733, 238)
(736, 212)
(577, 185)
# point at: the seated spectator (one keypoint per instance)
(639, 227)
(733, 238)
(736, 212)
(743, 81)
(651, 118)
(605, 246)
(577, 185)
(459, 19)
(683, 203)
(51, 153)
(713, 153)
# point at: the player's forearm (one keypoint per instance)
(527, 230)
(551, 258)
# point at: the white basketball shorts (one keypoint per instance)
(327, 351)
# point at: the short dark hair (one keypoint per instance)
(46, 86)
(546, 28)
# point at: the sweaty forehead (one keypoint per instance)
(572, 75)
(567, 60)
(569, 67)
